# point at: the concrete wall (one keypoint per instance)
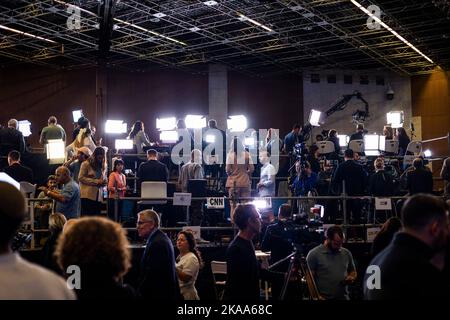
(321, 96)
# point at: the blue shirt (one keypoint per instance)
(304, 184)
(75, 169)
(71, 207)
(289, 141)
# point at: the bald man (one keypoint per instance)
(21, 280)
(68, 199)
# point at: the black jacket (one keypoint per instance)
(381, 184)
(19, 173)
(315, 164)
(354, 175)
(335, 140)
(158, 279)
(406, 272)
(242, 271)
(49, 260)
(356, 136)
(96, 287)
(419, 181)
(153, 170)
(11, 139)
(276, 241)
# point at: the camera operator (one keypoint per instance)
(305, 181)
(332, 266)
(381, 183)
(275, 241)
(291, 139)
(313, 158)
(278, 243)
(359, 134)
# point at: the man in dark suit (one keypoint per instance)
(11, 138)
(359, 134)
(153, 170)
(158, 279)
(419, 180)
(405, 270)
(381, 183)
(355, 178)
(17, 171)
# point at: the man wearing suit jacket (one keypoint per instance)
(17, 171)
(153, 170)
(11, 138)
(158, 279)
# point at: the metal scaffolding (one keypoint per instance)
(256, 37)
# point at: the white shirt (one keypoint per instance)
(189, 265)
(22, 280)
(267, 179)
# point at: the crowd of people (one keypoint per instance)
(71, 204)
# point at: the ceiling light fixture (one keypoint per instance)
(256, 23)
(157, 15)
(210, 3)
(150, 31)
(27, 34)
(378, 20)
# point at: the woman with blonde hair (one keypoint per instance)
(239, 167)
(99, 247)
(83, 139)
(92, 179)
(56, 223)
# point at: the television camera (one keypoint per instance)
(20, 241)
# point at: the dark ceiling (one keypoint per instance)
(188, 35)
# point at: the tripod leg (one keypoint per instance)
(287, 278)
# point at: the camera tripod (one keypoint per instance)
(298, 264)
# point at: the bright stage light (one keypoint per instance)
(195, 122)
(371, 142)
(314, 118)
(56, 151)
(343, 140)
(395, 119)
(115, 126)
(77, 114)
(237, 123)
(25, 127)
(168, 136)
(123, 144)
(210, 138)
(262, 203)
(249, 142)
(166, 123)
(427, 153)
